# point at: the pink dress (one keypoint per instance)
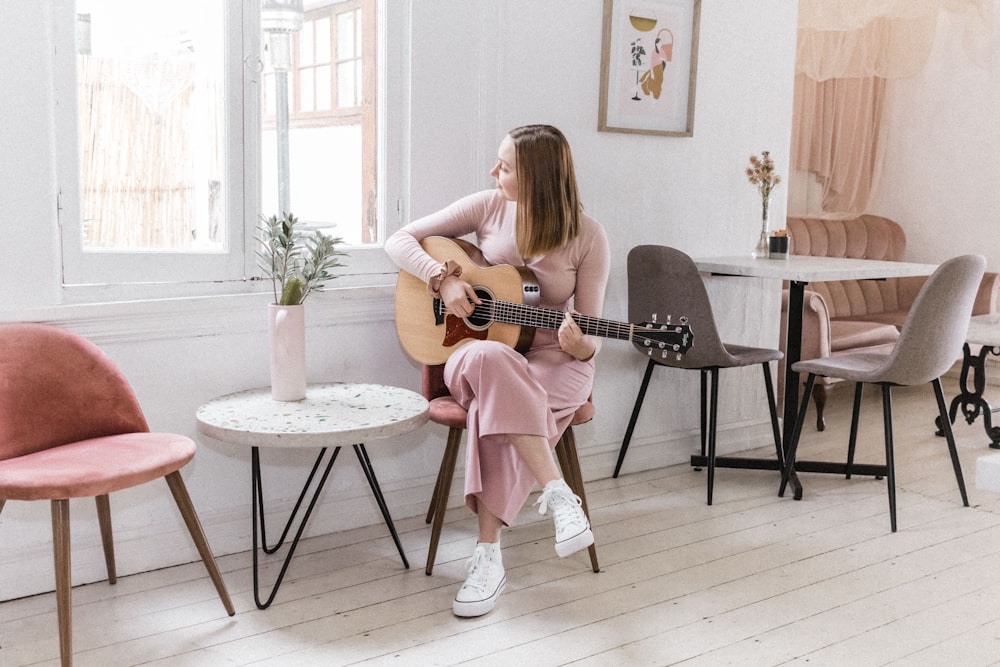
(505, 392)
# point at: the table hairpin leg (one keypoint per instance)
(257, 504)
(366, 466)
(259, 522)
(971, 401)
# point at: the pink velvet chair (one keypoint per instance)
(70, 427)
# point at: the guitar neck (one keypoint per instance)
(547, 318)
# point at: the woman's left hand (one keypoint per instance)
(572, 339)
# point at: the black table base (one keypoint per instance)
(970, 400)
(257, 503)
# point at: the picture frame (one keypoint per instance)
(649, 66)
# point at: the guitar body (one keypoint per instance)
(429, 335)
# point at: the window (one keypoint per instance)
(168, 110)
(332, 130)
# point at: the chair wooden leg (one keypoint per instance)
(107, 537)
(819, 394)
(186, 507)
(890, 474)
(635, 416)
(432, 505)
(569, 461)
(64, 583)
(442, 491)
(2, 502)
(950, 438)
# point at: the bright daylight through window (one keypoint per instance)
(178, 136)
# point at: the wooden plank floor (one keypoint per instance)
(753, 580)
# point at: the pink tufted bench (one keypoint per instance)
(852, 315)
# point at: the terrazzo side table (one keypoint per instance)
(331, 415)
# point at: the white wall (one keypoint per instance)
(941, 176)
(476, 70)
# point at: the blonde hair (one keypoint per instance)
(548, 201)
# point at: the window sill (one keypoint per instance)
(212, 314)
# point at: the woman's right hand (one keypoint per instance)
(458, 296)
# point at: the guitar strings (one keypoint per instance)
(547, 318)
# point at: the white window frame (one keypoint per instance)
(101, 276)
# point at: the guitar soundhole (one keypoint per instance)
(481, 319)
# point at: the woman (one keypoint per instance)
(518, 405)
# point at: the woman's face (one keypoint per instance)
(505, 170)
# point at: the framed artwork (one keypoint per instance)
(649, 66)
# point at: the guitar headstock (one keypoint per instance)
(664, 339)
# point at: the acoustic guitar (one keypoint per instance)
(509, 312)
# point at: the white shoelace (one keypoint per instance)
(478, 568)
(564, 506)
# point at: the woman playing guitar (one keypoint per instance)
(518, 404)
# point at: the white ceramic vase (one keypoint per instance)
(287, 338)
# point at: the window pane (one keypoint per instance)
(323, 88)
(306, 50)
(307, 100)
(151, 112)
(323, 50)
(331, 168)
(345, 35)
(346, 85)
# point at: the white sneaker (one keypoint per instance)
(486, 581)
(572, 527)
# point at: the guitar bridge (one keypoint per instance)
(438, 306)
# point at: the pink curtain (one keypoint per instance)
(847, 52)
(837, 137)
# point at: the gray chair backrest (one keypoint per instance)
(935, 328)
(665, 282)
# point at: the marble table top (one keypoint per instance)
(331, 415)
(806, 268)
(984, 330)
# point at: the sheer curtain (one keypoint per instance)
(848, 51)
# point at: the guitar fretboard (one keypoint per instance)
(548, 318)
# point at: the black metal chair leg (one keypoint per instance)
(890, 474)
(772, 407)
(786, 474)
(635, 416)
(712, 421)
(855, 417)
(703, 415)
(950, 437)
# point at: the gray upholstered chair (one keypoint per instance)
(929, 343)
(663, 281)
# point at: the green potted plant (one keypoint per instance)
(297, 263)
